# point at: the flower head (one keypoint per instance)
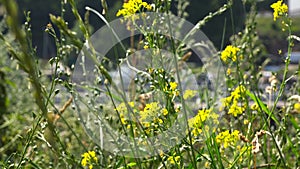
(173, 85)
(123, 110)
(297, 107)
(171, 88)
(189, 94)
(165, 111)
(225, 138)
(197, 123)
(279, 9)
(230, 52)
(89, 158)
(150, 112)
(132, 7)
(234, 101)
(235, 109)
(175, 159)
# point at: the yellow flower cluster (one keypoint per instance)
(226, 139)
(173, 85)
(232, 101)
(132, 7)
(175, 159)
(279, 9)
(150, 110)
(89, 158)
(165, 111)
(189, 94)
(122, 109)
(172, 89)
(196, 123)
(230, 52)
(152, 116)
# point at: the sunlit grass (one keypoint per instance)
(56, 122)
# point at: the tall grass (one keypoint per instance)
(70, 119)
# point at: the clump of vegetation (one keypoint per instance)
(141, 103)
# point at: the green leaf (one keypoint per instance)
(131, 164)
(262, 106)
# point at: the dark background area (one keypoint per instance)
(197, 10)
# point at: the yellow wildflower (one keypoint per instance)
(174, 159)
(235, 135)
(177, 109)
(202, 115)
(150, 112)
(225, 138)
(164, 111)
(233, 101)
(230, 52)
(207, 164)
(215, 117)
(235, 109)
(122, 109)
(146, 47)
(123, 119)
(131, 104)
(132, 7)
(279, 8)
(146, 124)
(150, 70)
(238, 91)
(196, 123)
(89, 158)
(297, 107)
(196, 131)
(171, 88)
(173, 85)
(254, 106)
(158, 121)
(228, 72)
(189, 94)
